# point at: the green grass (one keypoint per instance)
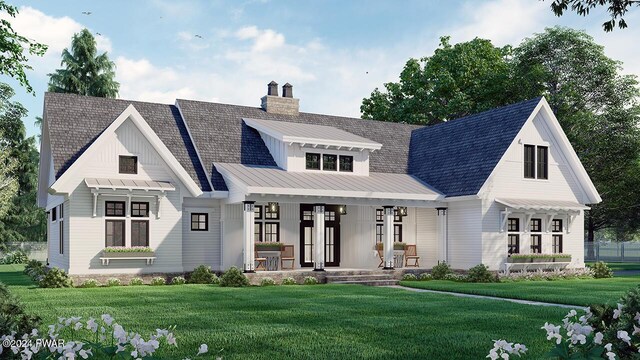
(296, 322)
(620, 266)
(582, 292)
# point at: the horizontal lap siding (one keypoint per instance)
(465, 233)
(427, 237)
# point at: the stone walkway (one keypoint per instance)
(517, 301)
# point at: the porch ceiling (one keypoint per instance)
(250, 180)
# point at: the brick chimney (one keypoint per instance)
(286, 105)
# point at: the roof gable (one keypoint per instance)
(75, 122)
(457, 157)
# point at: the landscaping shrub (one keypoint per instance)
(90, 283)
(289, 281)
(267, 282)
(601, 270)
(540, 275)
(455, 277)
(425, 277)
(136, 281)
(178, 280)
(34, 269)
(13, 317)
(56, 278)
(480, 274)
(113, 282)
(15, 257)
(203, 275)
(409, 277)
(310, 280)
(233, 278)
(158, 281)
(440, 271)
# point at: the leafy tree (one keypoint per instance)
(599, 111)
(85, 72)
(15, 48)
(616, 8)
(24, 221)
(8, 183)
(457, 80)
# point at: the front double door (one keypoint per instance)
(331, 235)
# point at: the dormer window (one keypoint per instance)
(329, 162)
(128, 164)
(346, 163)
(313, 161)
(533, 169)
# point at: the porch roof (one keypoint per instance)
(252, 179)
(542, 204)
(129, 184)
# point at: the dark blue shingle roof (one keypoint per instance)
(458, 156)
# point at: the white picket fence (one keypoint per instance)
(628, 251)
(35, 250)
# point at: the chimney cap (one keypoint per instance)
(272, 88)
(272, 83)
(287, 90)
(287, 85)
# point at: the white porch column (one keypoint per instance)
(387, 241)
(318, 233)
(248, 237)
(443, 253)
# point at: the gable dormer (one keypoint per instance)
(299, 147)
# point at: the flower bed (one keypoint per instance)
(533, 258)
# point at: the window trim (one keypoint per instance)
(336, 162)
(306, 166)
(537, 248)
(206, 221)
(61, 231)
(340, 157)
(560, 237)
(517, 244)
(529, 164)
(124, 207)
(128, 157)
(124, 232)
(545, 168)
(261, 212)
(258, 225)
(140, 203)
(539, 222)
(397, 226)
(54, 214)
(148, 230)
(557, 221)
(277, 224)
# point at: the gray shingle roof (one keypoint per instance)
(221, 136)
(76, 121)
(458, 156)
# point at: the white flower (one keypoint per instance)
(637, 317)
(617, 312)
(611, 356)
(171, 340)
(598, 338)
(107, 319)
(134, 354)
(85, 353)
(78, 326)
(203, 349)
(92, 325)
(571, 314)
(608, 347)
(624, 336)
(635, 330)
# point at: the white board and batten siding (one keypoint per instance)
(56, 258)
(465, 233)
(88, 237)
(508, 181)
(201, 247)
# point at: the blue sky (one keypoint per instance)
(333, 52)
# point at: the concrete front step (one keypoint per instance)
(342, 278)
(368, 282)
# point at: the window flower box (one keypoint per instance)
(538, 258)
(268, 246)
(127, 252)
(396, 246)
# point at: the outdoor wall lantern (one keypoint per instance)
(402, 210)
(342, 209)
(273, 207)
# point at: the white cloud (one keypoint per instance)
(263, 40)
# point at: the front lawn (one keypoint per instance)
(617, 266)
(582, 292)
(296, 322)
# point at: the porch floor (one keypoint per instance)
(337, 275)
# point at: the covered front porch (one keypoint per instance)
(318, 222)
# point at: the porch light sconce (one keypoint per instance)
(402, 210)
(342, 209)
(273, 207)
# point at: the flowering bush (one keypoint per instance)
(267, 282)
(502, 350)
(234, 278)
(455, 277)
(481, 274)
(178, 280)
(120, 249)
(71, 338)
(113, 282)
(90, 283)
(425, 277)
(601, 270)
(15, 257)
(203, 275)
(289, 281)
(157, 281)
(136, 281)
(310, 280)
(56, 278)
(440, 271)
(539, 275)
(409, 277)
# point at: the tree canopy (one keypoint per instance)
(15, 49)
(597, 106)
(616, 9)
(85, 72)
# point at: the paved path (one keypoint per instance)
(517, 301)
